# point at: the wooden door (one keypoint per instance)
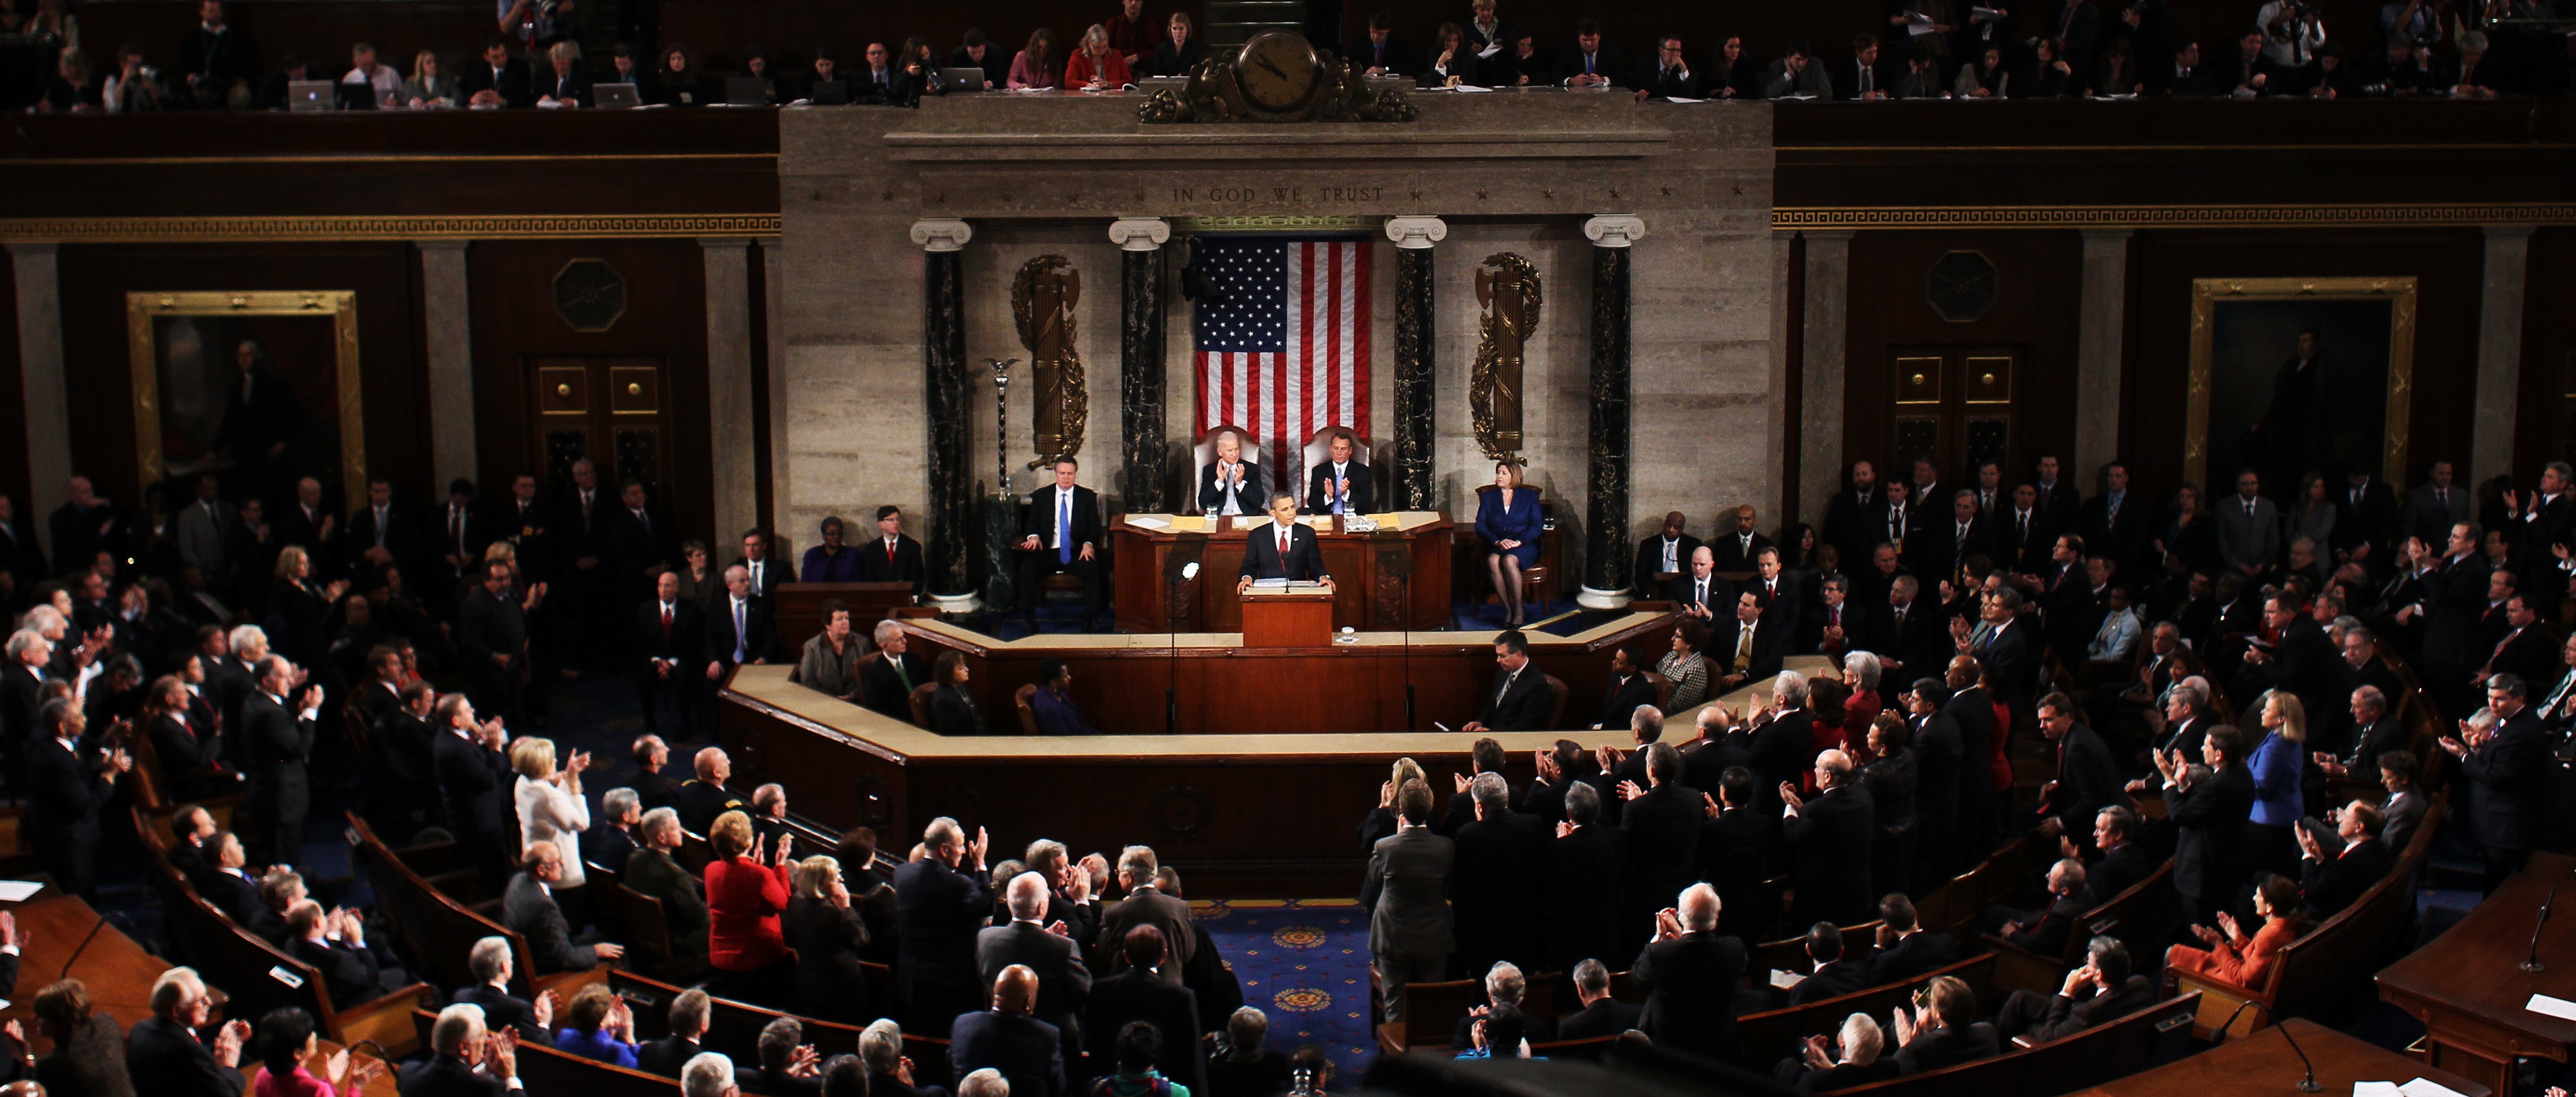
(611, 410)
(1953, 405)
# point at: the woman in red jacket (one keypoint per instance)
(747, 889)
(2235, 957)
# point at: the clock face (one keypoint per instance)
(590, 295)
(1277, 71)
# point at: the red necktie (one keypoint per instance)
(1283, 552)
(666, 622)
(889, 552)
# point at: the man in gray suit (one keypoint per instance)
(1063, 983)
(202, 527)
(1407, 893)
(2249, 527)
(1145, 905)
(528, 906)
(2435, 506)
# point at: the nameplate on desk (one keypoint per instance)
(2547, 1006)
(291, 979)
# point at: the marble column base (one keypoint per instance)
(956, 605)
(1603, 599)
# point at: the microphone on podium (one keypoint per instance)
(2306, 1084)
(2531, 962)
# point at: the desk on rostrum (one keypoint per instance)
(2263, 1065)
(1370, 595)
(1287, 618)
(2468, 986)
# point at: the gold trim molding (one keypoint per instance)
(144, 361)
(164, 230)
(1284, 222)
(1793, 218)
(2206, 293)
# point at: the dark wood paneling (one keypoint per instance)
(96, 277)
(2548, 355)
(2446, 263)
(13, 398)
(2037, 275)
(665, 319)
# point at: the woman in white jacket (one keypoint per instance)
(551, 809)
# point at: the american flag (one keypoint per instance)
(1286, 353)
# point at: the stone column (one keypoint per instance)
(773, 258)
(1820, 397)
(1605, 548)
(1775, 434)
(949, 392)
(735, 470)
(1409, 488)
(2104, 297)
(2499, 350)
(1140, 359)
(40, 375)
(447, 314)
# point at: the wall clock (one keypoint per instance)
(1278, 72)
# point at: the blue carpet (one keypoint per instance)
(1305, 963)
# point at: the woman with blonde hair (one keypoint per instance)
(427, 86)
(1381, 819)
(747, 890)
(305, 608)
(825, 929)
(1096, 67)
(2271, 843)
(552, 811)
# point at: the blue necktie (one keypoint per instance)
(1064, 527)
(739, 628)
(1337, 494)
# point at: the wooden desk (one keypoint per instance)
(800, 610)
(1287, 619)
(1240, 816)
(1368, 598)
(2468, 987)
(2262, 1065)
(1226, 685)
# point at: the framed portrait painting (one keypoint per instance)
(258, 388)
(2293, 377)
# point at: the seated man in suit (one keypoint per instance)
(335, 944)
(1230, 484)
(689, 1013)
(1905, 948)
(886, 685)
(1062, 534)
(653, 872)
(1699, 592)
(1601, 1015)
(1752, 650)
(1341, 485)
(1834, 976)
(2098, 991)
(466, 1060)
(489, 960)
(1282, 549)
(498, 81)
(1667, 553)
(1008, 1039)
(1944, 1030)
(1520, 699)
(528, 906)
(1504, 987)
(2044, 931)
(893, 557)
(164, 1054)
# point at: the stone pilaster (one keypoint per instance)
(48, 424)
(446, 309)
(1605, 570)
(1820, 396)
(1409, 488)
(733, 467)
(1141, 346)
(2100, 329)
(948, 390)
(2499, 351)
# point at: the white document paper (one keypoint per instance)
(1919, 28)
(2547, 1006)
(1270, 584)
(17, 891)
(1789, 980)
(2374, 1089)
(1147, 522)
(1470, 87)
(1491, 48)
(1679, 99)
(2426, 1087)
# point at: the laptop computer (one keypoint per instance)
(357, 95)
(829, 93)
(965, 79)
(615, 96)
(303, 96)
(746, 91)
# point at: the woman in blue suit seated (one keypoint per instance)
(1507, 518)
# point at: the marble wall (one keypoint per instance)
(1508, 172)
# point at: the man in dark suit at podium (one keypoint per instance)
(1520, 697)
(1062, 535)
(1340, 485)
(1283, 549)
(893, 557)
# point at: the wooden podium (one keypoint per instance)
(1288, 618)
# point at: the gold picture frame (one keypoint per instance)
(143, 310)
(2208, 293)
